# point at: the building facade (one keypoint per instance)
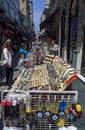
(9, 20)
(26, 8)
(68, 29)
(31, 23)
(73, 34)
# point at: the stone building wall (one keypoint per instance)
(77, 55)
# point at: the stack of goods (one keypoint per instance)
(22, 81)
(32, 78)
(39, 78)
(49, 58)
(27, 63)
(37, 56)
(65, 74)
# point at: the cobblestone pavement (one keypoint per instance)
(79, 86)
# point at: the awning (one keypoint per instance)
(49, 20)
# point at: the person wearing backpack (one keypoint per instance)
(7, 53)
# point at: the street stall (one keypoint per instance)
(39, 99)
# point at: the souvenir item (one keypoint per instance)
(69, 116)
(63, 128)
(68, 111)
(39, 114)
(54, 112)
(54, 117)
(14, 102)
(54, 107)
(30, 114)
(47, 112)
(68, 106)
(3, 103)
(9, 102)
(39, 107)
(71, 128)
(77, 110)
(39, 104)
(62, 105)
(7, 109)
(60, 122)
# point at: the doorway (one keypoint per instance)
(72, 32)
(63, 20)
(83, 56)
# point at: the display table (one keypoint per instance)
(32, 78)
(38, 100)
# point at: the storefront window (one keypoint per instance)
(12, 13)
(23, 1)
(22, 10)
(6, 5)
(1, 3)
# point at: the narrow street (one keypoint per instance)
(44, 42)
(79, 86)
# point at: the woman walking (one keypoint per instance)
(7, 53)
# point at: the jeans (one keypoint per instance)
(9, 75)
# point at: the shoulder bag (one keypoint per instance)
(4, 61)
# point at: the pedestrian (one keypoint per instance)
(22, 55)
(23, 51)
(7, 53)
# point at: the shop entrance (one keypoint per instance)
(72, 34)
(83, 56)
(63, 20)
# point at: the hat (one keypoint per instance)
(8, 40)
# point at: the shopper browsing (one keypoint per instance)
(22, 55)
(7, 53)
(23, 51)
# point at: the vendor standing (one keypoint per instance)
(54, 48)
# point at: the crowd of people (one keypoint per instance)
(9, 50)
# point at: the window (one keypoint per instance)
(12, 13)
(23, 1)
(22, 11)
(5, 4)
(17, 5)
(0, 3)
